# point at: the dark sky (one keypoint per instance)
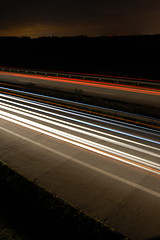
(75, 17)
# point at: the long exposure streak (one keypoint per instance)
(90, 83)
(98, 135)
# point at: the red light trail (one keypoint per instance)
(86, 82)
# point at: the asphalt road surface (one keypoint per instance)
(109, 169)
(118, 92)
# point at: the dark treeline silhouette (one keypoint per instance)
(133, 56)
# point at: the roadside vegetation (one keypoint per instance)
(126, 56)
(9, 233)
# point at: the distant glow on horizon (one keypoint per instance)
(70, 18)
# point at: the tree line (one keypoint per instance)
(132, 56)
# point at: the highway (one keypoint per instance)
(107, 168)
(113, 91)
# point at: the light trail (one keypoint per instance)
(95, 75)
(81, 121)
(91, 83)
(146, 165)
(75, 127)
(100, 119)
(82, 133)
(87, 105)
(86, 128)
(85, 164)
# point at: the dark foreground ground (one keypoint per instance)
(29, 212)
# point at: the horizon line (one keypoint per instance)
(80, 35)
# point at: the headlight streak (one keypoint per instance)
(93, 130)
(43, 112)
(97, 146)
(63, 124)
(82, 127)
(70, 136)
(8, 116)
(86, 116)
(118, 123)
(86, 123)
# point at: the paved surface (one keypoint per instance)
(117, 92)
(126, 197)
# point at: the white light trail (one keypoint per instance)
(87, 105)
(92, 146)
(80, 121)
(85, 164)
(73, 127)
(86, 115)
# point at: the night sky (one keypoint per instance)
(36, 18)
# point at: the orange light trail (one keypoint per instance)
(86, 82)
